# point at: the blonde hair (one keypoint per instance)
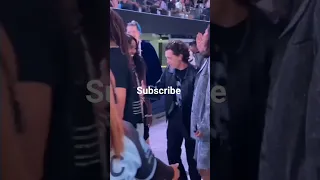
(116, 124)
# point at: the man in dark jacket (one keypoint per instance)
(290, 149)
(179, 75)
(244, 38)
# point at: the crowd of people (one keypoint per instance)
(131, 61)
(195, 9)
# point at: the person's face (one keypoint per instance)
(173, 60)
(133, 31)
(132, 48)
(193, 49)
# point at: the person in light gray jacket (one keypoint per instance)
(200, 114)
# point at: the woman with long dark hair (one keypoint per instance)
(200, 114)
(119, 55)
(142, 109)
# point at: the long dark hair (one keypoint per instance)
(117, 32)
(138, 60)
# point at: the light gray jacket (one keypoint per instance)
(200, 113)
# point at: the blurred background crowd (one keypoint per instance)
(190, 9)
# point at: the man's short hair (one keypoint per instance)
(179, 48)
(136, 24)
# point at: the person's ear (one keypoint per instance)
(180, 57)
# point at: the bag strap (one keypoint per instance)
(9, 67)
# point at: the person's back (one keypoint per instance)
(119, 65)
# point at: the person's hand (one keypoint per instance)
(176, 171)
(200, 43)
(114, 3)
(143, 85)
(149, 121)
(198, 134)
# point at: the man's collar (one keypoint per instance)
(173, 70)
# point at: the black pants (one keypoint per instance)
(175, 136)
(221, 161)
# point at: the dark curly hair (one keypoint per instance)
(179, 48)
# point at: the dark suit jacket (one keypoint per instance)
(152, 61)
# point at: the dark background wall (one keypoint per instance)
(158, 24)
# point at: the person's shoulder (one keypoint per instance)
(115, 52)
(145, 43)
(116, 55)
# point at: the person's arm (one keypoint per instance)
(33, 91)
(120, 71)
(160, 84)
(150, 166)
(204, 125)
(148, 105)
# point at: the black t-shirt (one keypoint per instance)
(229, 39)
(119, 66)
(180, 73)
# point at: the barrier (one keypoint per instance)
(161, 24)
